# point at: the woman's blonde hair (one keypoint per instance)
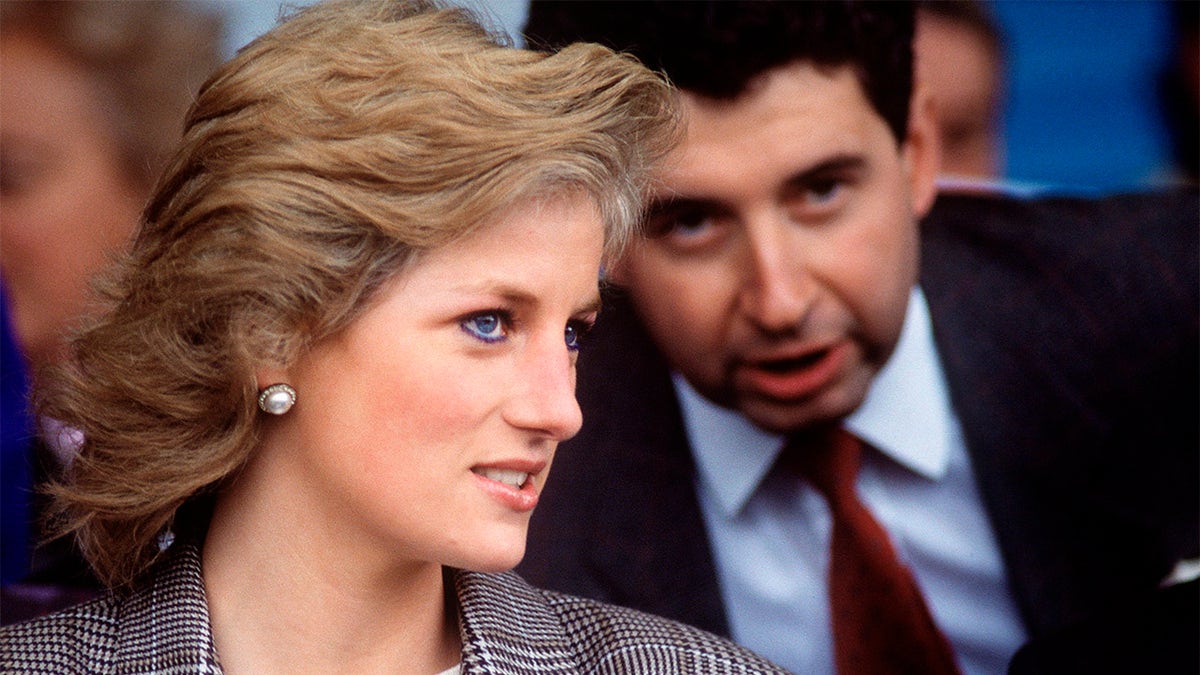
(316, 164)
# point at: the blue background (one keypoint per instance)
(1083, 107)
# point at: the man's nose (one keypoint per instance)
(777, 289)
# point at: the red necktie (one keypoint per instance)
(881, 625)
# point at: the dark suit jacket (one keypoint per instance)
(506, 626)
(1068, 332)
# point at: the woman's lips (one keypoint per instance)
(793, 378)
(512, 487)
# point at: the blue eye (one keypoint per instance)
(488, 326)
(575, 333)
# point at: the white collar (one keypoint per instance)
(907, 416)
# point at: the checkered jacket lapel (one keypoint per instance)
(165, 628)
(507, 627)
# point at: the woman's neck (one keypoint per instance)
(285, 598)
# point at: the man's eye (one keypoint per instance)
(487, 326)
(685, 223)
(575, 334)
(824, 191)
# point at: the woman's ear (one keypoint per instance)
(267, 376)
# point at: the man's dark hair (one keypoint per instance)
(714, 48)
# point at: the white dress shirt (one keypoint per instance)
(770, 532)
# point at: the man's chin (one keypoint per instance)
(787, 417)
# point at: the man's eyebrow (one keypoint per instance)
(837, 164)
(840, 163)
(674, 202)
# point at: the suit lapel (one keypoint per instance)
(1022, 322)
(1009, 405)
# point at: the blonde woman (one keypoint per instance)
(340, 357)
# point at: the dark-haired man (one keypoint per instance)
(1025, 387)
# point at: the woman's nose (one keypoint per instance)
(544, 400)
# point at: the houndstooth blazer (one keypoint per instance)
(507, 627)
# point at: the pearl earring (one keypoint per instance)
(277, 399)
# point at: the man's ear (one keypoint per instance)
(922, 151)
(616, 272)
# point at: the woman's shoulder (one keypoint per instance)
(160, 624)
(76, 639)
(606, 638)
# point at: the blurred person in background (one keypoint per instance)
(959, 58)
(93, 97)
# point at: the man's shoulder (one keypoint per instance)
(1079, 261)
(1084, 222)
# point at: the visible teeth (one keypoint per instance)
(513, 478)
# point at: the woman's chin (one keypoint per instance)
(490, 557)
(498, 563)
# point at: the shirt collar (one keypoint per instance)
(906, 416)
(907, 413)
(732, 455)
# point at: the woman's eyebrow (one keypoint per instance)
(522, 297)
